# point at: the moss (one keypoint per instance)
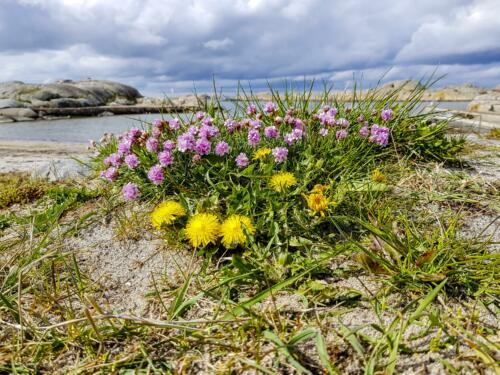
(20, 189)
(494, 134)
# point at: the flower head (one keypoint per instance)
(110, 174)
(165, 158)
(168, 145)
(124, 147)
(270, 107)
(364, 131)
(271, 132)
(378, 176)
(132, 161)
(387, 115)
(166, 213)
(253, 137)
(261, 153)
(114, 159)
(221, 148)
(232, 230)
(155, 175)
(186, 142)
(379, 135)
(251, 109)
(152, 144)
(242, 160)
(341, 134)
(174, 124)
(281, 181)
(202, 229)
(130, 191)
(317, 202)
(280, 154)
(323, 132)
(203, 146)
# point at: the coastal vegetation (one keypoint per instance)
(279, 236)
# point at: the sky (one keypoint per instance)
(172, 46)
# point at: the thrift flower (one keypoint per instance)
(253, 137)
(231, 125)
(165, 158)
(242, 160)
(124, 147)
(271, 132)
(155, 175)
(343, 122)
(203, 146)
(130, 191)
(152, 144)
(221, 148)
(174, 124)
(251, 109)
(323, 132)
(185, 142)
(387, 115)
(110, 174)
(134, 133)
(280, 154)
(364, 131)
(202, 229)
(232, 230)
(114, 160)
(270, 107)
(200, 115)
(281, 181)
(379, 135)
(132, 161)
(255, 123)
(168, 145)
(341, 134)
(166, 213)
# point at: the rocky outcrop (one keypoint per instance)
(22, 102)
(489, 102)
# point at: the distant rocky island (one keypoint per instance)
(25, 102)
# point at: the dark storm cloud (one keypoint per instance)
(158, 45)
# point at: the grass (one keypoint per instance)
(379, 285)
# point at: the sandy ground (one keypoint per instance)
(49, 159)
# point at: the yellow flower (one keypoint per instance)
(261, 153)
(317, 202)
(378, 176)
(202, 229)
(318, 188)
(282, 180)
(166, 213)
(232, 230)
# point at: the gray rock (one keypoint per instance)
(107, 91)
(16, 113)
(489, 102)
(11, 103)
(105, 114)
(61, 169)
(4, 119)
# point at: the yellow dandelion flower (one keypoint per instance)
(202, 229)
(166, 213)
(318, 188)
(318, 203)
(282, 181)
(261, 153)
(378, 176)
(232, 230)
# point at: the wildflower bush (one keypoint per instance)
(274, 174)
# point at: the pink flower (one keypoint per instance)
(221, 148)
(323, 132)
(379, 135)
(255, 124)
(134, 133)
(251, 109)
(270, 107)
(253, 137)
(200, 115)
(231, 125)
(174, 124)
(185, 142)
(341, 134)
(208, 131)
(110, 174)
(343, 122)
(132, 161)
(364, 131)
(130, 191)
(242, 160)
(203, 146)
(387, 115)
(168, 145)
(152, 144)
(280, 154)
(271, 132)
(299, 124)
(114, 160)
(165, 158)
(124, 147)
(156, 122)
(155, 175)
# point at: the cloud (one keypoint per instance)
(159, 45)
